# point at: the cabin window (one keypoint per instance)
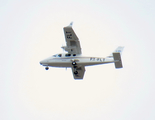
(59, 55)
(74, 54)
(68, 55)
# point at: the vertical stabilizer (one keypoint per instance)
(116, 55)
(118, 50)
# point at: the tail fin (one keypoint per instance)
(117, 57)
(118, 50)
(117, 60)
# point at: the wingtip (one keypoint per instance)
(71, 24)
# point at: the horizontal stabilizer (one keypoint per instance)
(117, 59)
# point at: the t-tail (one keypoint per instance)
(116, 55)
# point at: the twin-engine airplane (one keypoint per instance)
(75, 59)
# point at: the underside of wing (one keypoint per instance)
(78, 71)
(72, 41)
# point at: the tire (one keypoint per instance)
(73, 63)
(76, 72)
(46, 68)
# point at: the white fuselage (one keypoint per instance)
(66, 61)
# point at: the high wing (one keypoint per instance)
(78, 72)
(72, 41)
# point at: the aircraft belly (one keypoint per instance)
(84, 62)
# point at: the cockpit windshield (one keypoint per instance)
(54, 55)
(57, 55)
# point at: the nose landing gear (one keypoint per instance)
(46, 68)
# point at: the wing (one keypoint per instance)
(78, 71)
(72, 41)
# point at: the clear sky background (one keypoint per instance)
(32, 30)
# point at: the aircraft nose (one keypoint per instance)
(43, 62)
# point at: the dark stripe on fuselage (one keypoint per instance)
(76, 58)
(73, 58)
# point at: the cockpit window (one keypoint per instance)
(54, 55)
(59, 55)
(74, 54)
(68, 55)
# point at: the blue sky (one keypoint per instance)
(32, 30)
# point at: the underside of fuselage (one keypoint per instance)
(69, 63)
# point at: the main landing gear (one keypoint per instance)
(46, 68)
(75, 67)
(73, 63)
(76, 72)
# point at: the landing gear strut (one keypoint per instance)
(46, 68)
(75, 67)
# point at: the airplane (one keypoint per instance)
(74, 58)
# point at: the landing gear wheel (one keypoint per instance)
(46, 68)
(76, 72)
(73, 63)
